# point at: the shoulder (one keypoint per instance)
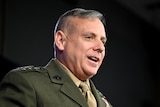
(25, 76)
(27, 69)
(24, 71)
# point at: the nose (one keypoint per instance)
(99, 46)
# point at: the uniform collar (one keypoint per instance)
(72, 76)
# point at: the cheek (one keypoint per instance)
(75, 50)
(103, 55)
(81, 48)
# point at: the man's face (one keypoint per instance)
(84, 48)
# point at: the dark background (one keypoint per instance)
(129, 75)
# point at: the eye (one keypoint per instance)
(89, 37)
(104, 41)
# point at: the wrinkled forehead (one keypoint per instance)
(78, 23)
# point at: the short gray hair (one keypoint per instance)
(78, 12)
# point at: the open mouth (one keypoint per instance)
(95, 59)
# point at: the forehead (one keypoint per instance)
(92, 25)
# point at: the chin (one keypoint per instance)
(92, 73)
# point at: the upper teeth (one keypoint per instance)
(93, 58)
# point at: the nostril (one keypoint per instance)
(99, 50)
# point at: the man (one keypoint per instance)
(79, 40)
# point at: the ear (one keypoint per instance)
(60, 40)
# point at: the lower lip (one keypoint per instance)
(93, 63)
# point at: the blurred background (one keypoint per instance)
(129, 75)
